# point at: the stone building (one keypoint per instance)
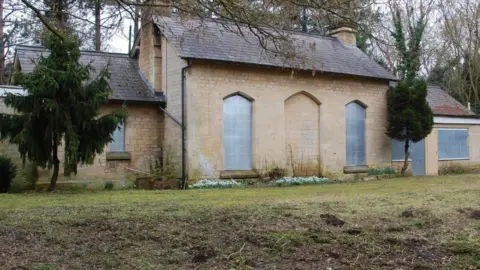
(221, 105)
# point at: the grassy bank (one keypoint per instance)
(410, 223)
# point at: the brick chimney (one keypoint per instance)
(345, 34)
(150, 58)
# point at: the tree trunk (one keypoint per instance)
(56, 165)
(136, 21)
(57, 9)
(98, 8)
(303, 20)
(407, 155)
(2, 46)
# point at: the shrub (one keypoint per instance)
(8, 171)
(31, 175)
(454, 169)
(381, 171)
(108, 186)
(276, 173)
(162, 165)
(216, 184)
(295, 181)
(26, 178)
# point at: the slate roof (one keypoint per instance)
(213, 41)
(125, 80)
(442, 103)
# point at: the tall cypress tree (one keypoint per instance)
(61, 108)
(409, 118)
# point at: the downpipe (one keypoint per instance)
(184, 127)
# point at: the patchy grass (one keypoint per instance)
(341, 226)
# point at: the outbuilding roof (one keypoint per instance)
(126, 81)
(212, 40)
(442, 103)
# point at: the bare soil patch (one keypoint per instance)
(277, 228)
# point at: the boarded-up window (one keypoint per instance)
(452, 144)
(118, 144)
(237, 133)
(355, 134)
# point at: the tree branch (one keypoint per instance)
(42, 19)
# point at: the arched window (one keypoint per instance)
(237, 133)
(355, 134)
(302, 134)
(118, 143)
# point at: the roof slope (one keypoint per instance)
(442, 103)
(125, 80)
(213, 41)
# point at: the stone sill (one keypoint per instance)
(119, 156)
(355, 169)
(238, 174)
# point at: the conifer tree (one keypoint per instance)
(61, 109)
(409, 118)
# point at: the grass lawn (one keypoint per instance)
(409, 223)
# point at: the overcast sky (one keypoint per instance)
(119, 42)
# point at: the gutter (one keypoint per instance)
(470, 116)
(184, 128)
(456, 120)
(373, 77)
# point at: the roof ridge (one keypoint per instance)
(219, 21)
(30, 47)
(40, 48)
(96, 52)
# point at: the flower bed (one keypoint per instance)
(295, 181)
(216, 184)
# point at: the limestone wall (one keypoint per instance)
(208, 84)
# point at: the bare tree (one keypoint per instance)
(262, 18)
(18, 27)
(457, 65)
(381, 28)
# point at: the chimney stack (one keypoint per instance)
(345, 34)
(161, 7)
(150, 57)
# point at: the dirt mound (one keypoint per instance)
(475, 214)
(202, 254)
(332, 220)
(407, 214)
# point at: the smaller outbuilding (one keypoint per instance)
(453, 140)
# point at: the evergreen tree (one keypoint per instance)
(409, 118)
(61, 108)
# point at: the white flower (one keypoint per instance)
(206, 183)
(290, 181)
